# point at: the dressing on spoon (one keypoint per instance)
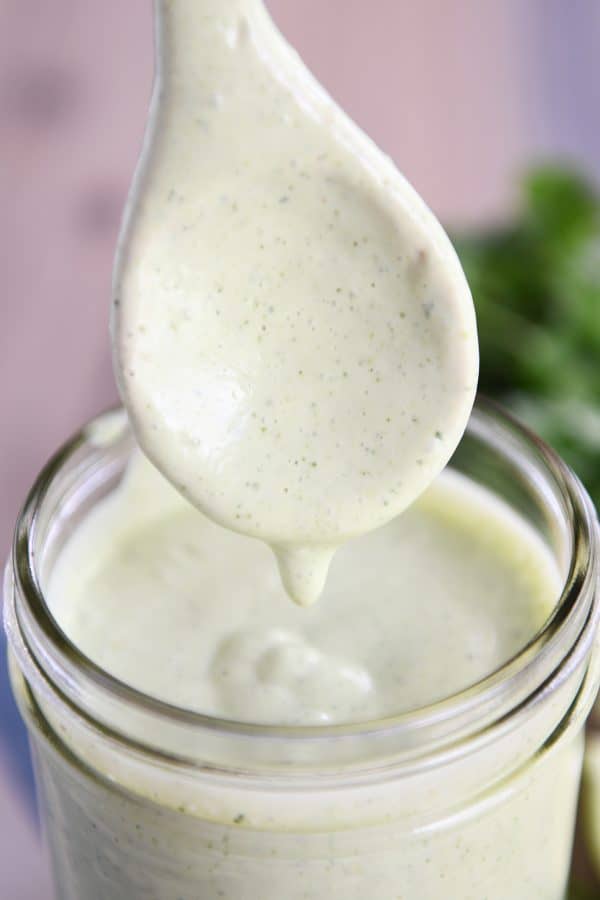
(294, 338)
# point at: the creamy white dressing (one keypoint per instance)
(591, 798)
(294, 337)
(194, 614)
(169, 602)
(296, 347)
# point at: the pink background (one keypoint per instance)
(460, 92)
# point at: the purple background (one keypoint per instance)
(461, 94)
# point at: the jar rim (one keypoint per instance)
(575, 614)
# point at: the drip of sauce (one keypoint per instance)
(294, 338)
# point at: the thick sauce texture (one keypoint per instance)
(195, 614)
(294, 337)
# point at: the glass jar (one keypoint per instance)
(468, 798)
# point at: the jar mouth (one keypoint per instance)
(564, 640)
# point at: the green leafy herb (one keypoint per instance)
(536, 285)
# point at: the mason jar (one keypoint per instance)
(472, 797)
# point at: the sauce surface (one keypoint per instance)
(294, 337)
(195, 614)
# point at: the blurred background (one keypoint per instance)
(490, 109)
